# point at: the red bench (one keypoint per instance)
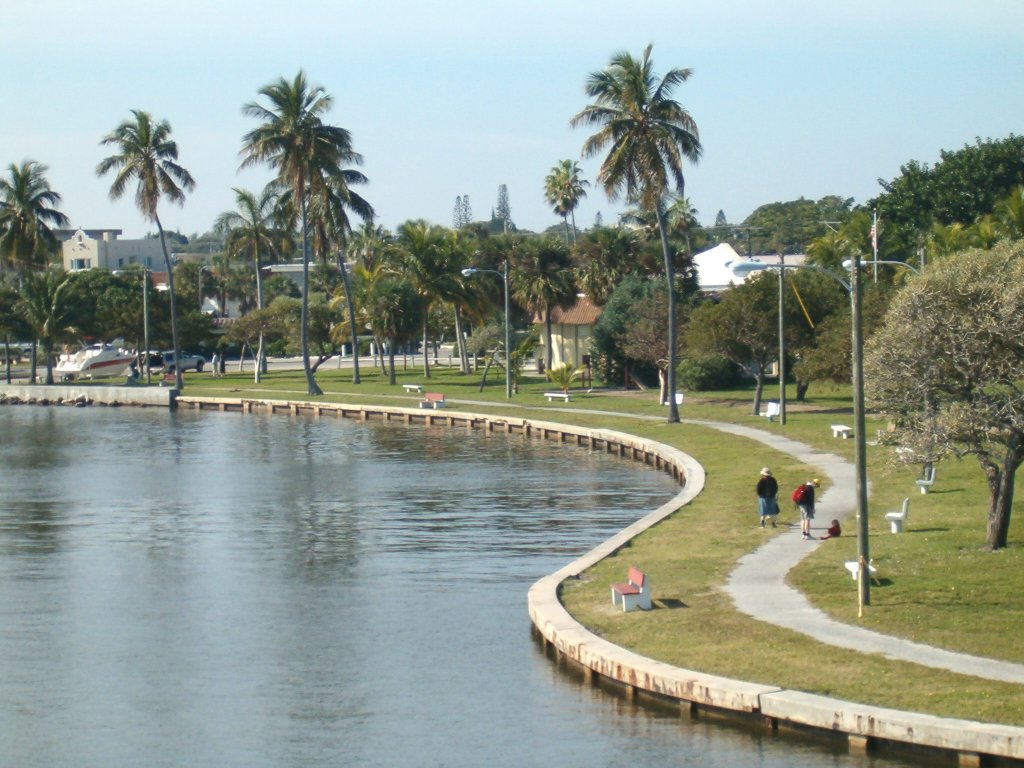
(433, 400)
(636, 593)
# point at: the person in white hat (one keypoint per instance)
(767, 497)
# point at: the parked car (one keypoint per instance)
(189, 361)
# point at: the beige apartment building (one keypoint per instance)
(92, 248)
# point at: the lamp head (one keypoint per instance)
(744, 268)
(468, 272)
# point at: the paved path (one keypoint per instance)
(758, 584)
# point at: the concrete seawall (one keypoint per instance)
(87, 394)
(973, 743)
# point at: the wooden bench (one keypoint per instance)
(413, 387)
(433, 400)
(897, 519)
(927, 481)
(851, 566)
(771, 411)
(841, 430)
(635, 593)
(563, 396)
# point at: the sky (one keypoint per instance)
(792, 98)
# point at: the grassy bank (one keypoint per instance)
(937, 585)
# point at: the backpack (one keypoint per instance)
(800, 494)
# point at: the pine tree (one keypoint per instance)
(457, 221)
(503, 212)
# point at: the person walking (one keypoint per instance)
(767, 497)
(804, 498)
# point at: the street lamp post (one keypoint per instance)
(469, 272)
(743, 268)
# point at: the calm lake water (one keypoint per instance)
(224, 590)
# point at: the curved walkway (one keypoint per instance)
(758, 584)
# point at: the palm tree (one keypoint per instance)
(27, 211)
(563, 189)
(393, 308)
(429, 266)
(332, 231)
(1010, 212)
(251, 232)
(48, 309)
(541, 281)
(147, 156)
(648, 136)
(307, 154)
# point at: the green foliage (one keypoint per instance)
(964, 185)
(704, 373)
(562, 376)
(789, 227)
(610, 358)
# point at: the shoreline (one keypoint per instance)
(973, 743)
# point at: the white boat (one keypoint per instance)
(93, 362)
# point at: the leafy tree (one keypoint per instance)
(307, 154)
(790, 227)
(610, 358)
(742, 327)
(12, 324)
(645, 336)
(147, 156)
(27, 211)
(947, 367)
(48, 309)
(963, 185)
(648, 135)
(564, 187)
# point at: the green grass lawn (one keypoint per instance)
(937, 584)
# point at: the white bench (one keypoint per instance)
(413, 387)
(636, 593)
(433, 400)
(841, 430)
(852, 567)
(563, 396)
(928, 480)
(771, 411)
(897, 519)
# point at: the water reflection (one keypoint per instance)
(232, 590)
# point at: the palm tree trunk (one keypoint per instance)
(260, 350)
(573, 213)
(179, 380)
(565, 220)
(351, 317)
(7, 357)
(311, 385)
(460, 343)
(670, 371)
(426, 352)
(391, 361)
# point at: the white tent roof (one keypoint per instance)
(712, 273)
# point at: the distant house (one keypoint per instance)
(571, 330)
(100, 248)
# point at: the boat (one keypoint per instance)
(93, 362)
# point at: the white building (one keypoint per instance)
(714, 267)
(92, 248)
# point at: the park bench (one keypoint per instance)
(433, 400)
(841, 430)
(635, 593)
(413, 387)
(563, 396)
(771, 411)
(169, 380)
(897, 519)
(928, 480)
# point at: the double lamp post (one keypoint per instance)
(469, 272)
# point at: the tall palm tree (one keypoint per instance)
(332, 231)
(648, 136)
(306, 153)
(28, 208)
(564, 187)
(251, 232)
(147, 156)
